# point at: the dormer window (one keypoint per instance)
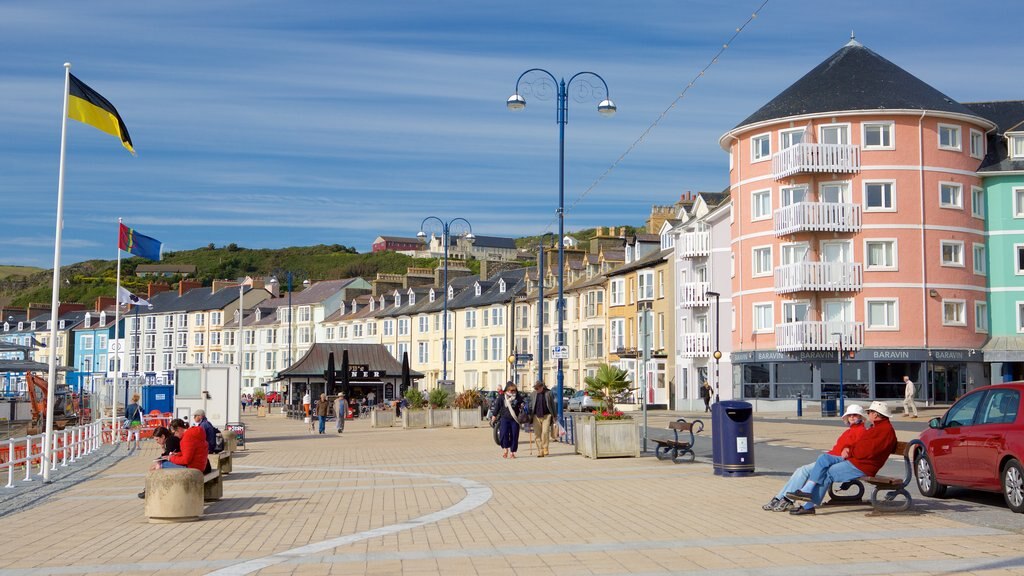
(7, 327)
(1017, 146)
(34, 324)
(61, 324)
(373, 304)
(21, 325)
(259, 313)
(412, 297)
(501, 286)
(431, 296)
(476, 289)
(451, 292)
(88, 320)
(103, 318)
(382, 301)
(398, 299)
(342, 309)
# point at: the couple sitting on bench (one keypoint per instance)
(858, 452)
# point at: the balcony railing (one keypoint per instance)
(694, 244)
(794, 336)
(819, 277)
(693, 294)
(829, 158)
(695, 345)
(817, 217)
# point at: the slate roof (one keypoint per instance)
(855, 78)
(645, 262)
(1008, 117)
(374, 356)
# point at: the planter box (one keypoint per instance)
(382, 418)
(439, 417)
(261, 412)
(607, 438)
(414, 419)
(466, 418)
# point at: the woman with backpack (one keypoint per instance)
(508, 411)
(133, 419)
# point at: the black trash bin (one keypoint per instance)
(828, 405)
(732, 439)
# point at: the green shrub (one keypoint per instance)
(415, 398)
(469, 399)
(439, 398)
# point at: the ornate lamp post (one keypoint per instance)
(445, 239)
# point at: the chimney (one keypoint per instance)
(64, 308)
(104, 302)
(154, 288)
(186, 285)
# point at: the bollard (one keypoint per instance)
(10, 463)
(799, 404)
(28, 460)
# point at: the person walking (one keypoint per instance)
(371, 399)
(306, 401)
(133, 420)
(340, 409)
(508, 409)
(705, 394)
(542, 406)
(322, 409)
(908, 398)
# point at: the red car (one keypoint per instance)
(978, 444)
(273, 397)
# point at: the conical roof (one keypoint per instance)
(855, 78)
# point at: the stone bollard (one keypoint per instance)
(230, 441)
(174, 495)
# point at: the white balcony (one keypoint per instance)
(817, 217)
(794, 336)
(693, 294)
(816, 158)
(695, 345)
(819, 277)
(694, 244)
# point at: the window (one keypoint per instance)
(200, 319)
(403, 326)
(617, 335)
(645, 283)
(977, 144)
(497, 316)
(882, 314)
(981, 317)
(470, 349)
(761, 205)
(880, 254)
(795, 311)
(879, 196)
(762, 261)
(951, 195)
(1020, 316)
(182, 322)
(1018, 249)
(305, 314)
(954, 313)
(952, 253)
(978, 259)
(1016, 146)
(389, 327)
(182, 339)
(789, 138)
(835, 192)
(214, 338)
(87, 342)
(150, 322)
(305, 335)
(963, 412)
(760, 147)
(949, 137)
(791, 195)
(618, 289)
(1018, 202)
(878, 136)
(793, 253)
(977, 202)
(764, 317)
(470, 318)
(834, 134)
(215, 318)
(199, 337)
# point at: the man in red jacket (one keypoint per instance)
(864, 458)
(193, 452)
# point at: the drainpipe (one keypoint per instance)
(924, 250)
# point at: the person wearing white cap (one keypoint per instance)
(864, 458)
(854, 418)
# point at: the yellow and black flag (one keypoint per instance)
(87, 106)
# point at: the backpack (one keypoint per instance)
(218, 440)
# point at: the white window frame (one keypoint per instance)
(788, 305)
(755, 150)
(845, 193)
(895, 255)
(978, 193)
(645, 285)
(787, 191)
(785, 140)
(1018, 202)
(754, 261)
(755, 214)
(959, 146)
(981, 316)
(787, 246)
(618, 292)
(983, 269)
(616, 331)
(823, 127)
(959, 204)
(1012, 142)
(942, 256)
(894, 327)
(977, 136)
(1020, 317)
(888, 127)
(1018, 270)
(770, 306)
(892, 195)
(954, 301)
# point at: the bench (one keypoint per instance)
(220, 462)
(213, 486)
(894, 487)
(679, 450)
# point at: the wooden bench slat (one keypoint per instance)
(680, 426)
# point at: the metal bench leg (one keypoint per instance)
(847, 493)
(891, 502)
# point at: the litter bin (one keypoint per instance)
(828, 405)
(732, 438)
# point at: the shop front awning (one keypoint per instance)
(370, 360)
(1004, 349)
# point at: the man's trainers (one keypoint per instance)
(783, 505)
(801, 511)
(799, 495)
(771, 505)
(142, 494)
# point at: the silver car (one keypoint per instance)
(582, 402)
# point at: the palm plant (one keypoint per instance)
(608, 382)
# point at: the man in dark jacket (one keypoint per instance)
(208, 430)
(864, 458)
(542, 406)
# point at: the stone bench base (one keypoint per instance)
(174, 495)
(221, 462)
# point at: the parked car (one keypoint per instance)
(977, 444)
(581, 401)
(273, 397)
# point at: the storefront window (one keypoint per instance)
(756, 381)
(793, 378)
(889, 378)
(855, 379)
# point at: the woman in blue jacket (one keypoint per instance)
(508, 410)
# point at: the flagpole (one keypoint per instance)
(117, 341)
(55, 296)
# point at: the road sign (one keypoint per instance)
(524, 357)
(560, 352)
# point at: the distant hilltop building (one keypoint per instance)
(397, 244)
(493, 248)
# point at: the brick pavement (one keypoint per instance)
(420, 502)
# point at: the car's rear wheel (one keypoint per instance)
(1013, 485)
(925, 474)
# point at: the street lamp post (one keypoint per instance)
(839, 350)
(445, 239)
(607, 108)
(540, 307)
(718, 350)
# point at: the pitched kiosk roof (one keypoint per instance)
(374, 356)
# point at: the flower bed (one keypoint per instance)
(609, 437)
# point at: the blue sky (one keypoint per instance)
(269, 123)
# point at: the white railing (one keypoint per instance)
(69, 445)
(694, 244)
(831, 158)
(694, 294)
(794, 336)
(695, 344)
(819, 277)
(817, 217)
